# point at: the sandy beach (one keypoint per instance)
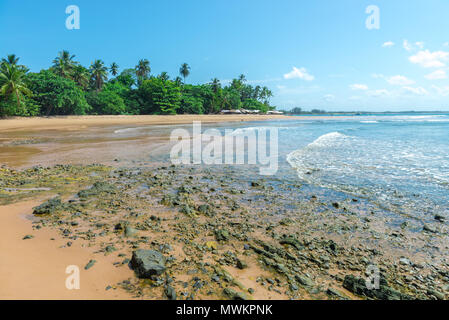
(220, 232)
(82, 122)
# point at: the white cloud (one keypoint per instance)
(388, 44)
(436, 75)
(399, 80)
(420, 91)
(379, 93)
(300, 73)
(329, 97)
(407, 46)
(419, 44)
(442, 91)
(357, 86)
(429, 59)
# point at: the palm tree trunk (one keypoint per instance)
(18, 100)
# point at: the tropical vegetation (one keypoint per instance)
(69, 88)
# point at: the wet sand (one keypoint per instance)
(68, 123)
(25, 142)
(35, 268)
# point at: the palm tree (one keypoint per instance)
(81, 76)
(178, 81)
(143, 69)
(99, 74)
(184, 71)
(114, 69)
(63, 63)
(242, 78)
(215, 85)
(12, 82)
(11, 59)
(164, 76)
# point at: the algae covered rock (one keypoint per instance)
(48, 207)
(148, 263)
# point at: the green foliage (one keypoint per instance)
(70, 88)
(106, 102)
(159, 96)
(56, 95)
(252, 104)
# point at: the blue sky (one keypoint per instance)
(310, 53)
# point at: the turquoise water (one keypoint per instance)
(400, 161)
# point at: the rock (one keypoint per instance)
(110, 249)
(221, 235)
(336, 205)
(336, 293)
(429, 229)
(48, 207)
(436, 294)
(358, 286)
(404, 261)
(439, 218)
(148, 263)
(234, 295)
(28, 236)
(90, 264)
(292, 241)
(130, 232)
(206, 210)
(96, 189)
(304, 280)
(170, 292)
(241, 264)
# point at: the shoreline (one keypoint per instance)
(82, 122)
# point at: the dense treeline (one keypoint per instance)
(68, 88)
(298, 110)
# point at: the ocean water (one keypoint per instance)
(398, 161)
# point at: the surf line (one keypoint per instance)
(258, 146)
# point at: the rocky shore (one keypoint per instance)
(193, 232)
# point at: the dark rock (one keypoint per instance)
(148, 263)
(170, 292)
(429, 229)
(234, 295)
(292, 241)
(358, 286)
(221, 235)
(335, 293)
(304, 280)
(241, 264)
(28, 236)
(96, 189)
(48, 207)
(436, 294)
(90, 264)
